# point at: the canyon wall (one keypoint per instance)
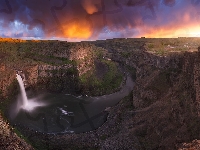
(163, 110)
(84, 56)
(7, 76)
(74, 66)
(77, 61)
(166, 97)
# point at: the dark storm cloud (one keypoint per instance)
(83, 18)
(169, 2)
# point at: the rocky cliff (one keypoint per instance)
(165, 96)
(7, 76)
(162, 112)
(43, 60)
(53, 66)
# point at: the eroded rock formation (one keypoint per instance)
(162, 112)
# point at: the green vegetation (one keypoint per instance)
(123, 47)
(19, 134)
(21, 54)
(151, 46)
(125, 54)
(164, 46)
(160, 52)
(102, 76)
(103, 137)
(92, 84)
(48, 59)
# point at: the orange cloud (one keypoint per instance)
(89, 6)
(77, 29)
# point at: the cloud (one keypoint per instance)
(169, 2)
(86, 19)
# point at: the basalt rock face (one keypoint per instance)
(166, 99)
(165, 103)
(58, 78)
(72, 65)
(155, 75)
(81, 53)
(7, 77)
(36, 75)
(47, 77)
(162, 113)
(53, 77)
(69, 62)
(84, 56)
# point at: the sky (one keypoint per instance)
(76, 20)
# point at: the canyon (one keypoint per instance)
(162, 111)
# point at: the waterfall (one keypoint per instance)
(27, 104)
(22, 89)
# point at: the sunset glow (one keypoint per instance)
(173, 32)
(79, 29)
(93, 20)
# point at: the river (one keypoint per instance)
(65, 113)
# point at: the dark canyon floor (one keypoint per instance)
(162, 111)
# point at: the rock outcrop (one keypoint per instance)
(78, 59)
(7, 77)
(162, 113)
(165, 97)
(84, 57)
(9, 139)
